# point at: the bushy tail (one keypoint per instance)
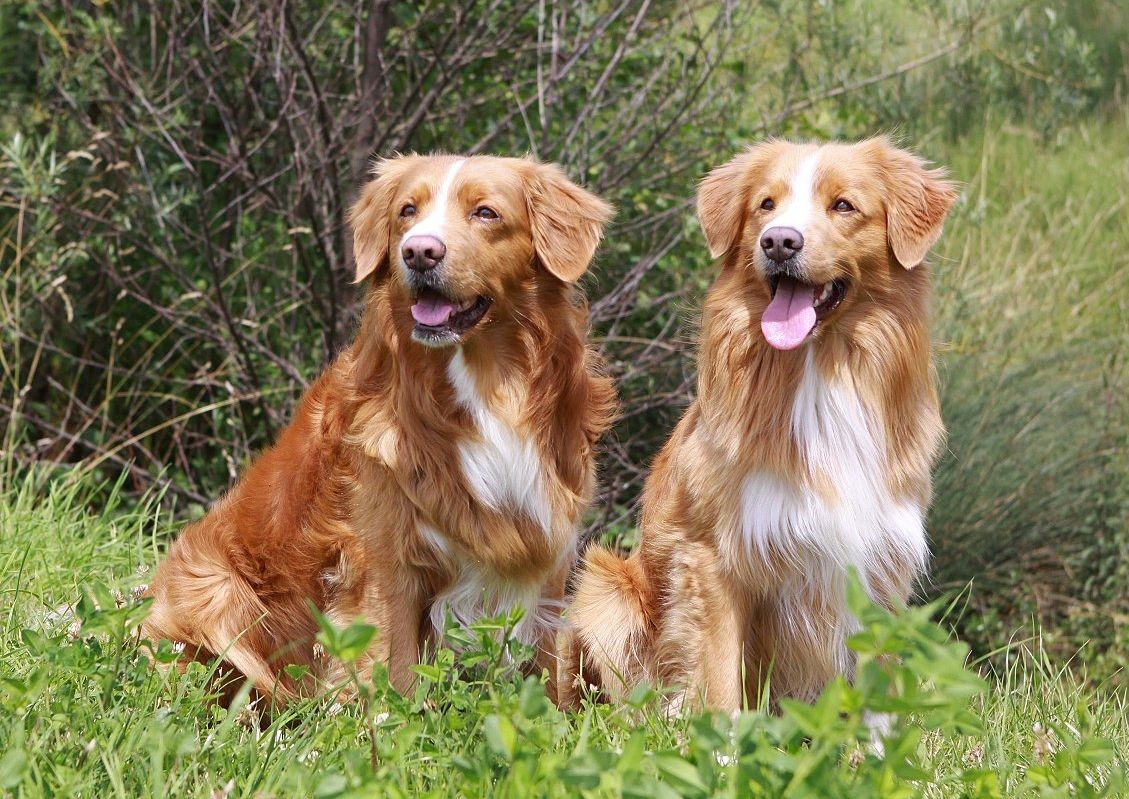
(611, 645)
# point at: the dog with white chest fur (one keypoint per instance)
(808, 449)
(440, 466)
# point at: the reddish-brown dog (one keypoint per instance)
(809, 446)
(442, 463)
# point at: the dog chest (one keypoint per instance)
(503, 470)
(859, 523)
(501, 465)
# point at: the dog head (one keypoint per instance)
(462, 240)
(822, 229)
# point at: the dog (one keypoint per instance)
(440, 466)
(808, 449)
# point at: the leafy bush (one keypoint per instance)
(173, 186)
(173, 199)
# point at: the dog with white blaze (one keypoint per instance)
(441, 465)
(809, 447)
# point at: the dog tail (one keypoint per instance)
(610, 646)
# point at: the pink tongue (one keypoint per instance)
(433, 310)
(790, 316)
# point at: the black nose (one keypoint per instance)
(422, 253)
(781, 243)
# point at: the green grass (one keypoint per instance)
(84, 713)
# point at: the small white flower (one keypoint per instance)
(225, 791)
(247, 718)
(55, 618)
(1044, 745)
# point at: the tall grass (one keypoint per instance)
(1032, 498)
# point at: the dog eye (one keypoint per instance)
(408, 210)
(482, 212)
(842, 206)
(767, 204)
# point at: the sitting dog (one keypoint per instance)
(809, 446)
(441, 464)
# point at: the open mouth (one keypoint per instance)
(441, 320)
(796, 308)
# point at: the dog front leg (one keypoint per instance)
(551, 638)
(399, 621)
(702, 639)
(719, 663)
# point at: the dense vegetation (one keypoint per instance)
(175, 270)
(82, 713)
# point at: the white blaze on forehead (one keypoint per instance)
(800, 207)
(434, 222)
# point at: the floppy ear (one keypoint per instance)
(567, 222)
(370, 217)
(722, 195)
(918, 202)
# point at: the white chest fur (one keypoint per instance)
(862, 524)
(504, 471)
(502, 468)
(477, 593)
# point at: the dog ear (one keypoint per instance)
(567, 222)
(371, 217)
(723, 193)
(918, 201)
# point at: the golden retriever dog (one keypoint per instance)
(808, 449)
(440, 466)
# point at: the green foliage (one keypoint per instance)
(172, 215)
(85, 712)
(926, 69)
(173, 187)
